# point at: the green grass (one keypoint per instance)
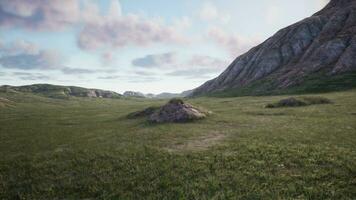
(313, 84)
(87, 149)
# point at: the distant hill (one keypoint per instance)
(316, 54)
(56, 91)
(163, 95)
(166, 95)
(134, 94)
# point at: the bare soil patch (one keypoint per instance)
(199, 143)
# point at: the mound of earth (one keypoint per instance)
(297, 102)
(143, 113)
(177, 111)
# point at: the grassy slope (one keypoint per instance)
(315, 83)
(86, 148)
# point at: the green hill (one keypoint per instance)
(55, 91)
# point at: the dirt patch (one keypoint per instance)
(5, 102)
(198, 144)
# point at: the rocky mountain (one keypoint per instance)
(167, 95)
(134, 94)
(163, 95)
(315, 54)
(55, 91)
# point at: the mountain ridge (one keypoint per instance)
(323, 44)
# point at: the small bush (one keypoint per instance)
(176, 101)
(297, 102)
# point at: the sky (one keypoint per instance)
(151, 46)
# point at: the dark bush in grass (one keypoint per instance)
(176, 101)
(297, 102)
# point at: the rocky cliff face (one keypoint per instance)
(321, 46)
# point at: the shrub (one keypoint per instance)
(176, 101)
(297, 102)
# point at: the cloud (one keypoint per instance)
(196, 66)
(31, 76)
(39, 14)
(206, 62)
(200, 73)
(127, 30)
(26, 56)
(155, 60)
(234, 44)
(182, 23)
(68, 70)
(131, 78)
(208, 12)
(145, 73)
(109, 77)
(199, 67)
(107, 58)
(109, 30)
(74, 71)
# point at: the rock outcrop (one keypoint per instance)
(56, 91)
(134, 94)
(177, 111)
(323, 45)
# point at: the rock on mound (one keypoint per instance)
(177, 111)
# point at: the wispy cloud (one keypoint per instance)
(126, 30)
(31, 76)
(156, 60)
(26, 56)
(234, 44)
(209, 12)
(39, 14)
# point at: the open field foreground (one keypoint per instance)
(85, 148)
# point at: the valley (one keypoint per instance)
(87, 148)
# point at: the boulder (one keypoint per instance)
(177, 111)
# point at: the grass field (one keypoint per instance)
(84, 148)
